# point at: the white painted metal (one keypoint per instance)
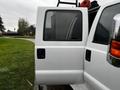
(104, 74)
(64, 59)
(93, 83)
(80, 87)
(98, 74)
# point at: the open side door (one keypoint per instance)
(59, 48)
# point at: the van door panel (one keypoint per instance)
(61, 58)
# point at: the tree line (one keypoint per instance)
(24, 29)
(2, 28)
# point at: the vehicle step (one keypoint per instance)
(80, 87)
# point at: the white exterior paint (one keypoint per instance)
(54, 69)
(95, 75)
(106, 74)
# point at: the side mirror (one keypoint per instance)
(114, 50)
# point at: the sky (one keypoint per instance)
(12, 10)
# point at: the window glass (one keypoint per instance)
(104, 27)
(63, 26)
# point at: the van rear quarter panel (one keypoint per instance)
(99, 68)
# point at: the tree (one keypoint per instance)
(31, 30)
(2, 28)
(22, 26)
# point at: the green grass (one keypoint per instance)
(16, 64)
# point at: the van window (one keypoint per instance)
(104, 27)
(63, 25)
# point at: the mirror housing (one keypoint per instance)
(114, 49)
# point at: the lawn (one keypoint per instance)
(16, 64)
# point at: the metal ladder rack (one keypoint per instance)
(71, 3)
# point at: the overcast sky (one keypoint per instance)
(12, 10)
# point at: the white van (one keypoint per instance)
(68, 52)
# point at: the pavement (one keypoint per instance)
(29, 39)
(32, 40)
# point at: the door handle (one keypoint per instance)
(41, 53)
(88, 55)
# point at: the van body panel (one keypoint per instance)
(63, 60)
(98, 67)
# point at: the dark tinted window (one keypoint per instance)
(104, 27)
(63, 26)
